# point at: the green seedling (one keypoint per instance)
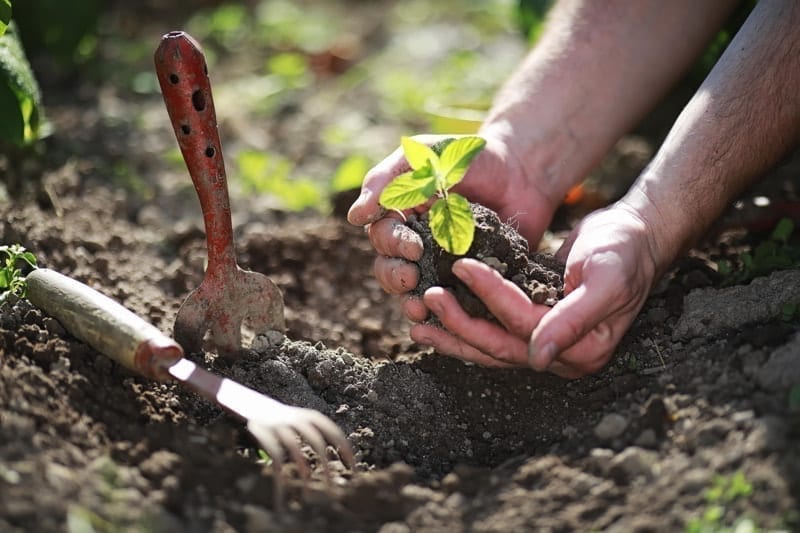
(436, 170)
(12, 281)
(794, 398)
(20, 99)
(723, 491)
(775, 253)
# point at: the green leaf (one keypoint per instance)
(417, 154)
(350, 173)
(783, 230)
(794, 398)
(409, 189)
(5, 15)
(457, 156)
(452, 224)
(19, 94)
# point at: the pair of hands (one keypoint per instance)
(610, 268)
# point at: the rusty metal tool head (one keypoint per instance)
(229, 296)
(133, 342)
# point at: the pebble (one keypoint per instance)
(647, 439)
(633, 462)
(611, 426)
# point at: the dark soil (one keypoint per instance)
(499, 245)
(698, 394)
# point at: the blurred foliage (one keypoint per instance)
(350, 173)
(774, 253)
(5, 15)
(63, 30)
(530, 16)
(272, 174)
(20, 100)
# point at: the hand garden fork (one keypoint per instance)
(228, 295)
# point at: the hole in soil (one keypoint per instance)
(198, 100)
(173, 79)
(210, 151)
(186, 129)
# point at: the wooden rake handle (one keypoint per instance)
(103, 324)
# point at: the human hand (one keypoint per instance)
(611, 266)
(494, 179)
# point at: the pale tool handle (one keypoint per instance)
(103, 324)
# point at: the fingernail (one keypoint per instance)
(540, 358)
(462, 272)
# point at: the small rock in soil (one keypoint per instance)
(610, 427)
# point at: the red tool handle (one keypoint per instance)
(183, 76)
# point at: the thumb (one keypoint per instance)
(366, 208)
(580, 312)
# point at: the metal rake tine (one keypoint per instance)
(291, 442)
(311, 434)
(273, 447)
(334, 435)
(268, 442)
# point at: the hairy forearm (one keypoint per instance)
(597, 69)
(741, 121)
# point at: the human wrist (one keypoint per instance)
(669, 230)
(536, 160)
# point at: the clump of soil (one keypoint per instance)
(499, 245)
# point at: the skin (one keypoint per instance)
(598, 68)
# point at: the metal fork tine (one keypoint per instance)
(291, 442)
(333, 434)
(314, 438)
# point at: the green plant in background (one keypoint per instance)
(530, 16)
(272, 174)
(775, 253)
(5, 15)
(436, 170)
(723, 491)
(350, 173)
(12, 280)
(794, 398)
(20, 100)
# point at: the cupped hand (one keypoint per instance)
(494, 179)
(611, 266)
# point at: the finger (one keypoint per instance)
(512, 307)
(446, 344)
(390, 236)
(569, 320)
(565, 371)
(482, 335)
(594, 349)
(413, 308)
(366, 208)
(395, 275)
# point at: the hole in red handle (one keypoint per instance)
(186, 129)
(210, 151)
(174, 79)
(198, 100)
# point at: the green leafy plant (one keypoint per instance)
(350, 173)
(723, 491)
(20, 100)
(436, 170)
(5, 15)
(775, 253)
(794, 398)
(12, 281)
(272, 174)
